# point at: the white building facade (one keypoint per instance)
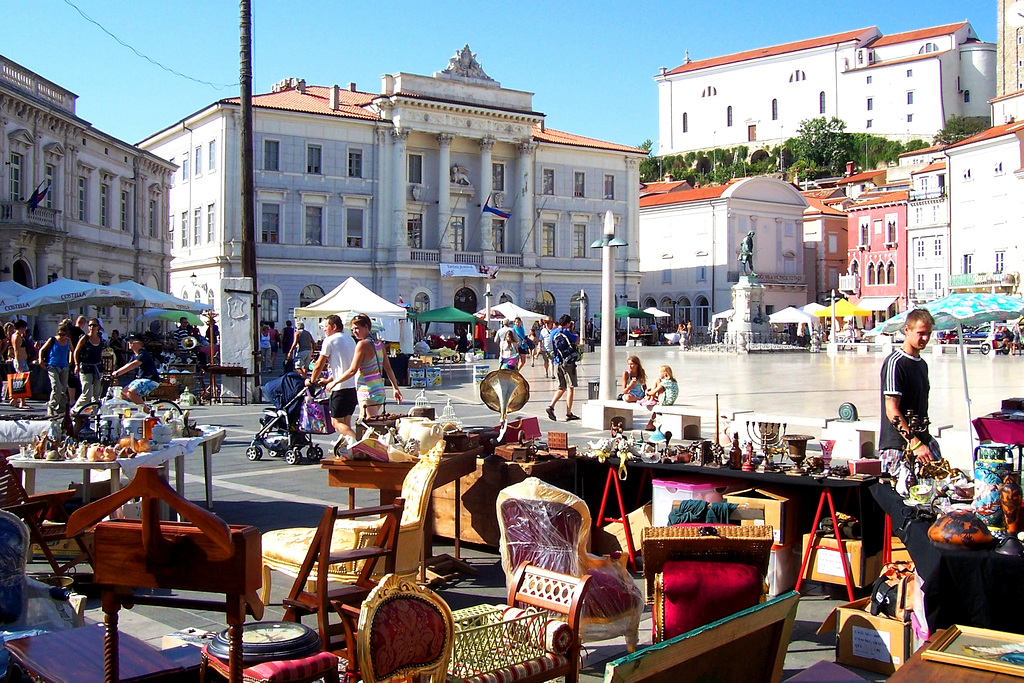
(902, 86)
(690, 240)
(387, 187)
(102, 218)
(928, 234)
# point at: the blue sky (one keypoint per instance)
(591, 64)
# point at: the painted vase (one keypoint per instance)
(1009, 501)
(988, 477)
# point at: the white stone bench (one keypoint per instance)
(682, 421)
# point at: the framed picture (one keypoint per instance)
(979, 648)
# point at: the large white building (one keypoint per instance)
(902, 86)
(690, 240)
(102, 219)
(387, 187)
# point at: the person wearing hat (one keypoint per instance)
(147, 377)
(89, 364)
(302, 347)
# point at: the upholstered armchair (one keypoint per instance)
(550, 528)
(285, 549)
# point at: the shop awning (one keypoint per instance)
(876, 303)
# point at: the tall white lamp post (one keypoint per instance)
(609, 240)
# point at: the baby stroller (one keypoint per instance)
(280, 433)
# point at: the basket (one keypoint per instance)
(745, 544)
(486, 640)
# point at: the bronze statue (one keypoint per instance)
(746, 257)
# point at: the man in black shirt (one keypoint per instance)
(147, 377)
(905, 387)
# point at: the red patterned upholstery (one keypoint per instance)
(533, 667)
(697, 593)
(556, 636)
(314, 667)
(406, 633)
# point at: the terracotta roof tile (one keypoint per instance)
(316, 100)
(925, 150)
(772, 51)
(562, 138)
(822, 194)
(993, 132)
(901, 60)
(919, 34)
(878, 198)
(934, 166)
(683, 196)
(660, 187)
(861, 177)
(1006, 96)
(815, 205)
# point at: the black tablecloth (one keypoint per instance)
(968, 587)
(847, 494)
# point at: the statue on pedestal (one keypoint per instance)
(746, 256)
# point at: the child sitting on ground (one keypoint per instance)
(665, 390)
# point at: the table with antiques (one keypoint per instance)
(1005, 427)
(921, 670)
(218, 374)
(387, 478)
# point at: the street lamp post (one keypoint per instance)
(609, 240)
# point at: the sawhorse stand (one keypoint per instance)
(826, 494)
(612, 482)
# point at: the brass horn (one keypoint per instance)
(189, 343)
(504, 391)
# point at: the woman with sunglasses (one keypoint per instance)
(370, 365)
(55, 358)
(89, 361)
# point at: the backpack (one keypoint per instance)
(565, 350)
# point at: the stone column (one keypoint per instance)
(524, 187)
(42, 265)
(444, 194)
(486, 238)
(398, 210)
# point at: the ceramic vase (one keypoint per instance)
(988, 477)
(1009, 501)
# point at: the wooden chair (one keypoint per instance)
(315, 596)
(44, 515)
(405, 633)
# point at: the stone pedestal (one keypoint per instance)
(598, 414)
(236, 333)
(749, 317)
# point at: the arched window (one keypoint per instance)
(775, 110)
(421, 302)
(683, 310)
(505, 298)
(854, 268)
(891, 279)
(465, 300)
(821, 102)
(702, 312)
(797, 76)
(928, 47)
(309, 294)
(967, 96)
(545, 304)
(871, 274)
(668, 306)
(686, 122)
(728, 116)
(268, 306)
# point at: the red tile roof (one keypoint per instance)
(683, 196)
(772, 51)
(901, 60)
(316, 100)
(822, 194)
(861, 177)
(934, 166)
(919, 34)
(660, 187)
(562, 138)
(925, 150)
(815, 205)
(1006, 96)
(993, 132)
(879, 198)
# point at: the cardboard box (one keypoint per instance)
(869, 466)
(826, 566)
(874, 643)
(433, 376)
(783, 568)
(668, 493)
(761, 507)
(611, 537)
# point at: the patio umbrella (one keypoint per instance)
(63, 294)
(10, 290)
(630, 312)
(448, 314)
(956, 310)
(790, 315)
(842, 308)
(657, 313)
(173, 316)
(509, 311)
(147, 297)
(812, 307)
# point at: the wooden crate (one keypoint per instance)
(558, 441)
(165, 392)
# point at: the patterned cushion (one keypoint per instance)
(518, 672)
(406, 632)
(556, 636)
(284, 671)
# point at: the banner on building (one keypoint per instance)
(468, 270)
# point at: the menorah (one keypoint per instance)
(767, 437)
(915, 425)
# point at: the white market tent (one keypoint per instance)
(63, 294)
(657, 313)
(791, 315)
(812, 307)
(350, 298)
(509, 311)
(726, 314)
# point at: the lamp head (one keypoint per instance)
(194, 279)
(609, 223)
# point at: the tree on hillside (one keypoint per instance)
(650, 168)
(823, 143)
(958, 128)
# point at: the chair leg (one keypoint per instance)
(265, 589)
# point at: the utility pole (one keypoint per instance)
(248, 191)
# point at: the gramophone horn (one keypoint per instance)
(504, 391)
(189, 343)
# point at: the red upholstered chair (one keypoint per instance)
(550, 528)
(699, 574)
(322, 665)
(404, 631)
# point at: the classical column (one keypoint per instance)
(444, 194)
(399, 192)
(486, 238)
(526, 191)
(42, 265)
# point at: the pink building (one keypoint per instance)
(877, 263)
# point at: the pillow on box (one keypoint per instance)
(696, 593)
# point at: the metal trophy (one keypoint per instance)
(767, 437)
(797, 447)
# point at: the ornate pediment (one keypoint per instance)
(464, 64)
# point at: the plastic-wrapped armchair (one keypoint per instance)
(285, 549)
(550, 528)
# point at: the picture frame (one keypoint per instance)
(959, 646)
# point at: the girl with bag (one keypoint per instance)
(19, 357)
(55, 358)
(370, 365)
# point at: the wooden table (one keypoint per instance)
(216, 387)
(918, 670)
(387, 477)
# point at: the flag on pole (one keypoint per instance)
(497, 212)
(37, 196)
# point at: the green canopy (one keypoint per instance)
(630, 312)
(449, 314)
(173, 316)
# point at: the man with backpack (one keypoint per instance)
(565, 355)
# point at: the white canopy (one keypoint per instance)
(10, 290)
(350, 298)
(726, 314)
(812, 307)
(63, 294)
(791, 315)
(147, 297)
(509, 311)
(657, 313)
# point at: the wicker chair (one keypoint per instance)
(700, 574)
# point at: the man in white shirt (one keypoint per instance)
(336, 352)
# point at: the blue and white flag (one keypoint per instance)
(497, 212)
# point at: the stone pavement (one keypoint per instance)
(271, 494)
